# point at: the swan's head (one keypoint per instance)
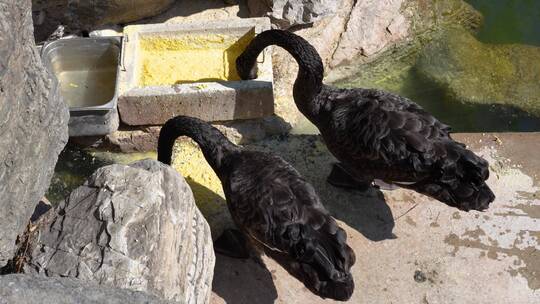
(246, 70)
(323, 261)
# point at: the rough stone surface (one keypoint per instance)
(134, 226)
(399, 235)
(26, 289)
(474, 72)
(33, 124)
(424, 19)
(372, 26)
(87, 15)
(286, 13)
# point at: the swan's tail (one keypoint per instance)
(322, 257)
(214, 145)
(461, 181)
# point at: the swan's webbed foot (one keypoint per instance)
(340, 178)
(232, 243)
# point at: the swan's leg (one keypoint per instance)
(232, 243)
(340, 178)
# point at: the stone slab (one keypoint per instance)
(211, 101)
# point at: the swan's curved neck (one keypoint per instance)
(214, 145)
(308, 83)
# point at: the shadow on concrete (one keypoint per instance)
(367, 212)
(243, 281)
(292, 267)
(235, 280)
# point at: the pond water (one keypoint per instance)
(505, 22)
(509, 21)
(507, 108)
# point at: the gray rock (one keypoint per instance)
(372, 26)
(133, 227)
(26, 289)
(33, 124)
(87, 15)
(286, 13)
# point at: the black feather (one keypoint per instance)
(376, 134)
(270, 202)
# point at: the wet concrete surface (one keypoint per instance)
(410, 248)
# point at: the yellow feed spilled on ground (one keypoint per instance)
(189, 161)
(168, 60)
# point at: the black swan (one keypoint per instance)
(272, 204)
(378, 135)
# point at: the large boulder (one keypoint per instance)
(25, 289)
(286, 13)
(87, 15)
(33, 124)
(372, 25)
(135, 227)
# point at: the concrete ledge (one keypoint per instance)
(93, 124)
(208, 101)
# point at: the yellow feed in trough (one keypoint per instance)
(194, 57)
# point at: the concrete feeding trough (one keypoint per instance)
(189, 69)
(87, 72)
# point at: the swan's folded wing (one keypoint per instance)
(269, 200)
(376, 125)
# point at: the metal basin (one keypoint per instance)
(87, 72)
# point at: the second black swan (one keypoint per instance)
(378, 135)
(272, 204)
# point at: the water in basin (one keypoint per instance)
(86, 70)
(87, 87)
